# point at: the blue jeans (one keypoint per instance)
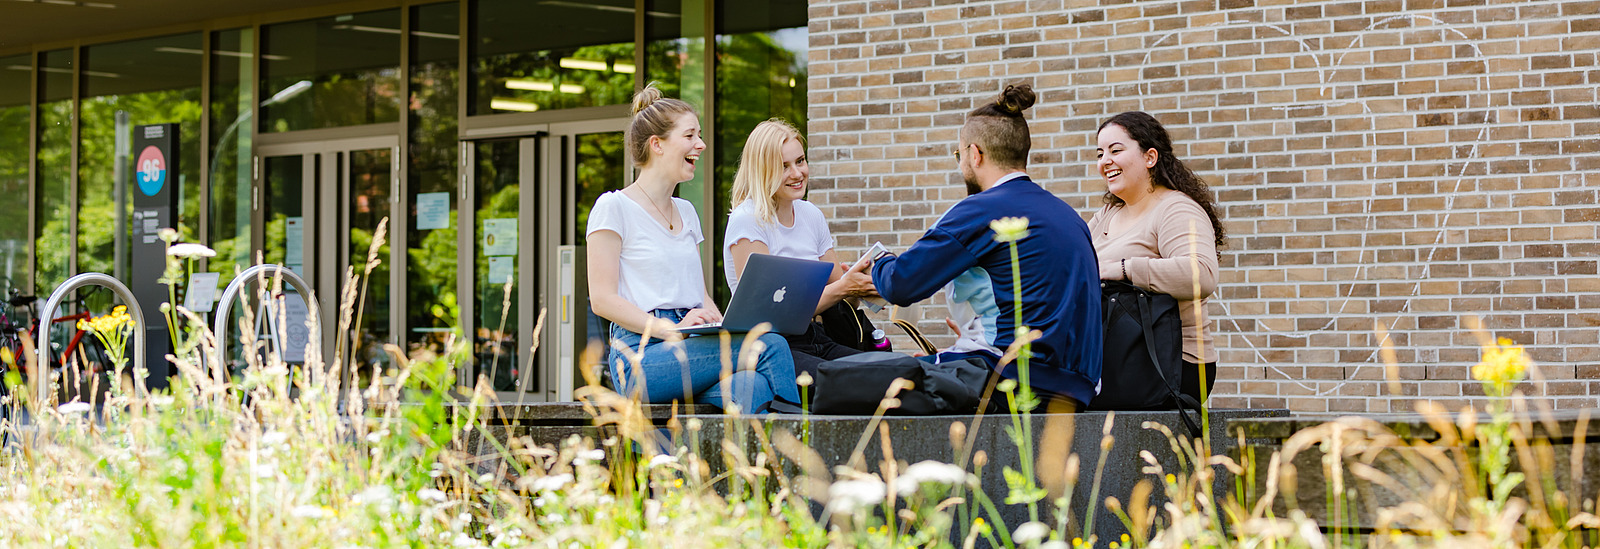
(691, 370)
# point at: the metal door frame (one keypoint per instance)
(322, 205)
(547, 175)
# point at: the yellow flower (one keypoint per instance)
(1171, 479)
(1009, 229)
(1503, 365)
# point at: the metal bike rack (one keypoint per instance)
(41, 377)
(225, 305)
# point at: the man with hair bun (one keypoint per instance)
(1059, 273)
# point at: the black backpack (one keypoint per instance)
(1143, 336)
(855, 385)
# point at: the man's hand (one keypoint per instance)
(857, 282)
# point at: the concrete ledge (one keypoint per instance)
(914, 439)
(1405, 464)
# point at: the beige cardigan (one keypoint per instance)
(1163, 250)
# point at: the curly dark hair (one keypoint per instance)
(1168, 172)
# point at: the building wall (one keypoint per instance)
(1403, 166)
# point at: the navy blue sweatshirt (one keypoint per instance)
(1059, 271)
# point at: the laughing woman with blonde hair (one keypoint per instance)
(645, 277)
(771, 216)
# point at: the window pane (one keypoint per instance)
(15, 77)
(761, 74)
(434, 313)
(154, 81)
(232, 56)
(337, 71)
(53, 247)
(369, 183)
(531, 56)
(495, 349)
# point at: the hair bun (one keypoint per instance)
(1015, 99)
(646, 97)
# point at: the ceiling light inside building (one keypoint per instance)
(224, 53)
(501, 104)
(583, 64)
(543, 86)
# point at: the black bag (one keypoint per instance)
(850, 327)
(855, 385)
(1143, 335)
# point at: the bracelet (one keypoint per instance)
(1125, 269)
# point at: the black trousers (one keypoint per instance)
(813, 348)
(1191, 379)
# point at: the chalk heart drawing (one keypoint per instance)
(1338, 87)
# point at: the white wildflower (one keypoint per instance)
(552, 483)
(308, 511)
(463, 540)
(662, 459)
(74, 407)
(1055, 544)
(486, 478)
(188, 250)
(1009, 229)
(430, 494)
(928, 471)
(1030, 532)
(274, 438)
(374, 494)
(849, 495)
(586, 456)
(376, 436)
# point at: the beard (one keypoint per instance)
(972, 183)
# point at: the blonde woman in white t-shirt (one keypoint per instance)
(645, 275)
(770, 216)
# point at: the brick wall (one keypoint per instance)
(1407, 164)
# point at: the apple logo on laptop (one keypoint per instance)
(777, 297)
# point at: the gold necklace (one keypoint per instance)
(664, 215)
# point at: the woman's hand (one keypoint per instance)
(1111, 270)
(696, 317)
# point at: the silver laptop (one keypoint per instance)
(780, 290)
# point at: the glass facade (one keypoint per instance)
(141, 82)
(532, 56)
(232, 67)
(15, 102)
(761, 74)
(299, 134)
(432, 156)
(53, 227)
(331, 72)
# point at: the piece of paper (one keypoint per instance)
(433, 211)
(201, 292)
(501, 269)
(296, 335)
(294, 233)
(500, 236)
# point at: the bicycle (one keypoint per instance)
(86, 352)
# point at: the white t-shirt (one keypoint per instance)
(807, 239)
(658, 269)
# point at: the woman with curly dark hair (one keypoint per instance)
(1159, 231)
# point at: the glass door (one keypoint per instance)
(527, 198)
(320, 207)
